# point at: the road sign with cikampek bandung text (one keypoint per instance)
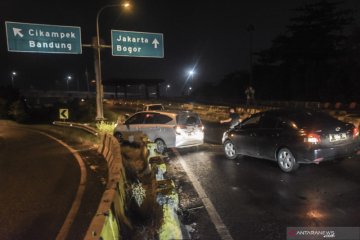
(42, 38)
(137, 44)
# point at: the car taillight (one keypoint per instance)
(177, 130)
(355, 132)
(312, 138)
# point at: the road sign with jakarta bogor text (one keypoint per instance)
(137, 44)
(42, 38)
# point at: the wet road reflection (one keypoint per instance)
(256, 200)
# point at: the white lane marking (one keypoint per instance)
(64, 231)
(214, 216)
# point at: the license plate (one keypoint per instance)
(337, 137)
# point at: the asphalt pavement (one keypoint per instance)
(39, 179)
(256, 200)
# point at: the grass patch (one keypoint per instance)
(106, 127)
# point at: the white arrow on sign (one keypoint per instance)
(155, 42)
(17, 31)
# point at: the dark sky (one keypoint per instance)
(210, 35)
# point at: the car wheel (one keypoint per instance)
(229, 150)
(118, 136)
(160, 146)
(286, 160)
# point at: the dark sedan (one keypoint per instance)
(291, 137)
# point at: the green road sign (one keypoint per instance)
(64, 113)
(41, 38)
(137, 44)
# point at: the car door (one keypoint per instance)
(165, 129)
(244, 136)
(150, 127)
(135, 122)
(156, 126)
(268, 135)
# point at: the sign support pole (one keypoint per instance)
(99, 92)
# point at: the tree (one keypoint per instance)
(350, 63)
(18, 111)
(8, 96)
(303, 63)
(230, 88)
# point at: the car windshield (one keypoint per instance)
(155, 107)
(188, 119)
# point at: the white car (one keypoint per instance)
(153, 107)
(167, 129)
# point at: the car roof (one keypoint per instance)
(286, 111)
(168, 112)
(153, 104)
(304, 117)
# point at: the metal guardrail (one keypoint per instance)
(105, 224)
(81, 126)
(350, 113)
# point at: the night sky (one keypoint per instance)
(208, 35)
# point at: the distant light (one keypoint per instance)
(126, 4)
(83, 100)
(315, 214)
(168, 86)
(69, 77)
(14, 73)
(191, 72)
(190, 88)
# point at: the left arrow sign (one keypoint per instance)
(64, 113)
(17, 31)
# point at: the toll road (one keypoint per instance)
(39, 180)
(256, 200)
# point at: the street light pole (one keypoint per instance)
(68, 78)
(166, 89)
(98, 46)
(99, 93)
(191, 74)
(13, 74)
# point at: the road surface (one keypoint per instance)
(256, 200)
(39, 184)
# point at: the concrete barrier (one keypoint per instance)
(111, 215)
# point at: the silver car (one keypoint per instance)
(167, 129)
